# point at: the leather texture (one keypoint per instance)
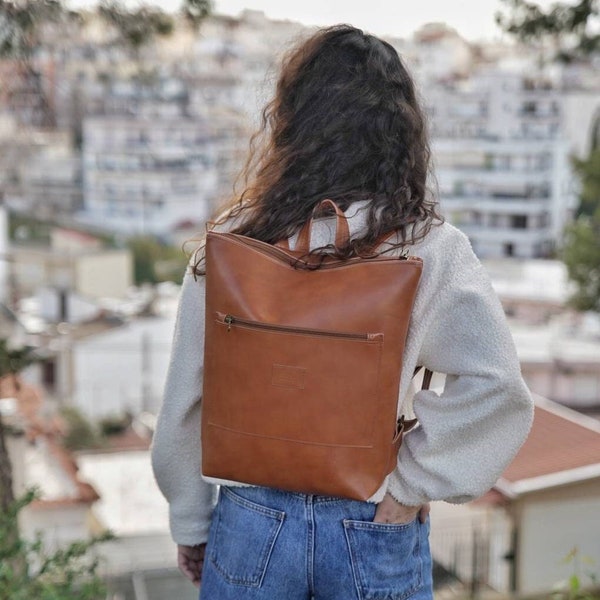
(302, 365)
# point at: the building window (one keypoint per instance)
(518, 221)
(459, 188)
(49, 374)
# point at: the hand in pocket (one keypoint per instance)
(190, 560)
(389, 510)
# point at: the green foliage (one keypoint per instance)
(155, 262)
(570, 27)
(13, 360)
(581, 249)
(115, 424)
(20, 23)
(29, 570)
(195, 11)
(136, 27)
(573, 588)
(23, 227)
(581, 255)
(81, 433)
(589, 175)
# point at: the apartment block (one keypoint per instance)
(146, 174)
(502, 163)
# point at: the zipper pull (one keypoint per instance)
(229, 320)
(372, 337)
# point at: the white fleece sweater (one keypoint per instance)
(467, 434)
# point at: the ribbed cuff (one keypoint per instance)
(401, 493)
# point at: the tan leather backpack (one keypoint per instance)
(302, 365)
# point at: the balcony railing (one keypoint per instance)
(496, 205)
(507, 234)
(497, 177)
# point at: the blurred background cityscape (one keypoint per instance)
(122, 130)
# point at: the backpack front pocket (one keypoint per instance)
(290, 383)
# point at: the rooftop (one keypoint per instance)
(48, 465)
(563, 447)
(130, 503)
(539, 280)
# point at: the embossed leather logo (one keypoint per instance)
(286, 376)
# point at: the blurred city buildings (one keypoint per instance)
(147, 174)
(106, 143)
(502, 143)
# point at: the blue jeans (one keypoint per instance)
(266, 544)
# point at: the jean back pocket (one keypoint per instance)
(386, 559)
(243, 538)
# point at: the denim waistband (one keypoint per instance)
(260, 492)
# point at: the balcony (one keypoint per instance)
(540, 107)
(513, 146)
(539, 115)
(487, 204)
(506, 234)
(490, 177)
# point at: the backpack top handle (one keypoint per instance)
(342, 234)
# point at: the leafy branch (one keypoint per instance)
(136, 27)
(571, 29)
(28, 569)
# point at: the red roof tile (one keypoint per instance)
(560, 439)
(30, 403)
(85, 492)
(29, 398)
(493, 497)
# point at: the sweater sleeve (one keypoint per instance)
(470, 432)
(176, 449)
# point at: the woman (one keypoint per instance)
(345, 124)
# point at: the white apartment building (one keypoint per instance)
(147, 173)
(438, 52)
(502, 163)
(50, 179)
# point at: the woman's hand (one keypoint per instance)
(190, 560)
(390, 510)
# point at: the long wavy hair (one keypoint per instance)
(344, 124)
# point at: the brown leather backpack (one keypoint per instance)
(302, 365)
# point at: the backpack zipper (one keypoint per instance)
(279, 254)
(230, 320)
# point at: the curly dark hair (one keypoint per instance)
(345, 124)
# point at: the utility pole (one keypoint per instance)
(475, 560)
(146, 383)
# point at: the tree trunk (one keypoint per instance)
(6, 481)
(9, 541)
